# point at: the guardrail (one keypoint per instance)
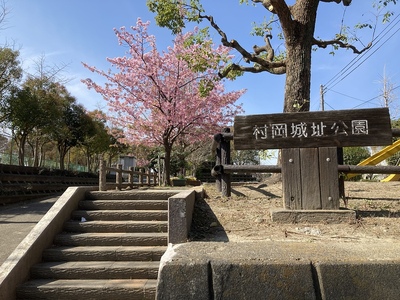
(134, 178)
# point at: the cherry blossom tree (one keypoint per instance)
(160, 97)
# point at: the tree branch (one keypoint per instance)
(340, 44)
(267, 65)
(267, 4)
(345, 2)
(266, 48)
(255, 69)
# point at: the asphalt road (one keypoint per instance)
(17, 220)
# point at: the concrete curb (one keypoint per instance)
(280, 270)
(16, 268)
(180, 212)
(287, 216)
(359, 280)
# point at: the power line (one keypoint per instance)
(339, 76)
(368, 101)
(326, 103)
(357, 58)
(363, 102)
(351, 97)
(344, 77)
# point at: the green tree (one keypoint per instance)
(96, 139)
(199, 153)
(245, 157)
(10, 75)
(295, 23)
(354, 155)
(179, 163)
(3, 143)
(23, 115)
(69, 129)
(46, 93)
(116, 146)
(394, 160)
(32, 104)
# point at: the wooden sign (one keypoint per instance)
(338, 128)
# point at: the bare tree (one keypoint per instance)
(388, 96)
(49, 73)
(4, 12)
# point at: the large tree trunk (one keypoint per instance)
(42, 154)
(299, 34)
(36, 152)
(88, 160)
(21, 149)
(62, 164)
(62, 151)
(167, 163)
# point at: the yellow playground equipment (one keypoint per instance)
(380, 156)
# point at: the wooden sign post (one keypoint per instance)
(309, 142)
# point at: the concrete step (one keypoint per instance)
(104, 253)
(116, 226)
(131, 195)
(114, 215)
(110, 249)
(122, 204)
(121, 289)
(112, 239)
(96, 270)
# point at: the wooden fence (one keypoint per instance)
(223, 169)
(20, 183)
(134, 178)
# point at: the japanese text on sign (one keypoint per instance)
(313, 129)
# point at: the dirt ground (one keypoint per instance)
(245, 215)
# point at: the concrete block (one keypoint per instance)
(262, 280)
(312, 216)
(359, 280)
(182, 278)
(215, 272)
(183, 281)
(280, 270)
(180, 211)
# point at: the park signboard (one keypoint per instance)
(338, 128)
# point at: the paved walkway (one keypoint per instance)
(17, 220)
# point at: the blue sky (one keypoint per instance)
(75, 31)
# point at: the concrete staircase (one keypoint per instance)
(110, 249)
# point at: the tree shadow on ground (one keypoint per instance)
(205, 225)
(237, 193)
(377, 213)
(261, 190)
(371, 198)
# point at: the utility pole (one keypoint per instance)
(321, 99)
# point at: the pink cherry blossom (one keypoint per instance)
(157, 97)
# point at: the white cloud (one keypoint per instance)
(88, 98)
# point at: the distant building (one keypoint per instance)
(127, 161)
